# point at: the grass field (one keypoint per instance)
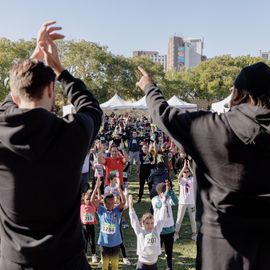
(184, 249)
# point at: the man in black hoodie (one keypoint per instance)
(232, 156)
(41, 157)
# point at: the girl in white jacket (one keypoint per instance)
(148, 236)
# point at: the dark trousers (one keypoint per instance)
(89, 235)
(144, 174)
(78, 262)
(122, 246)
(237, 252)
(142, 266)
(167, 239)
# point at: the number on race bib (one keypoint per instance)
(108, 228)
(150, 239)
(88, 217)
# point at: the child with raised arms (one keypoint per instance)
(89, 220)
(110, 219)
(148, 236)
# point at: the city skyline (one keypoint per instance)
(231, 27)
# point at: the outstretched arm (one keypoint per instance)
(134, 221)
(96, 191)
(122, 196)
(176, 123)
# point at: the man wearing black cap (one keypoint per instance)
(232, 156)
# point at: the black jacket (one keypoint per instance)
(232, 154)
(41, 157)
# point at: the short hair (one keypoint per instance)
(108, 196)
(29, 77)
(112, 175)
(145, 217)
(114, 146)
(161, 187)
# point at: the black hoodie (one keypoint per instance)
(41, 157)
(232, 154)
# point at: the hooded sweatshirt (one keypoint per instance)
(232, 156)
(41, 158)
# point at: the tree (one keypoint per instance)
(11, 51)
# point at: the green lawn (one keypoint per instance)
(184, 249)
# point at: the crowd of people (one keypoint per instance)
(49, 212)
(124, 142)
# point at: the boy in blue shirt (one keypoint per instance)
(110, 220)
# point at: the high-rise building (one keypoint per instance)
(154, 56)
(176, 53)
(265, 55)
(184, 52)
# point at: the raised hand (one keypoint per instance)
(45, 32)
(98, 183)
(122, 145)
(168, 185)
(51, 57)
(117, 182)
(145, 79)
(130, 201)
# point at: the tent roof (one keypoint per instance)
(219, 106)
(68, 109)
(177, 102)
(140, 104)
(115, 102)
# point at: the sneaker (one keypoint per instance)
(94, 258)
(126, 261)
(194, 236)
(175, 236)
(125, 224)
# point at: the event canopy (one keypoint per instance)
(68, 109)
(140, 104)
(220, 107)
(116, 103)
(174, 101)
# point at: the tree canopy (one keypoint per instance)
(106, 74)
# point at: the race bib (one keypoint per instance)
(150, 239)
(88, 217)
(108, 228)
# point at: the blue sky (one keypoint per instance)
(236, 27)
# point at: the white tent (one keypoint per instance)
(220, 107)
(68, 109)
(178, 103)
(116, 103)
(140, 104)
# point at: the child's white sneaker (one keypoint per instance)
(126, 261)
(194, 236)
(94, 258)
